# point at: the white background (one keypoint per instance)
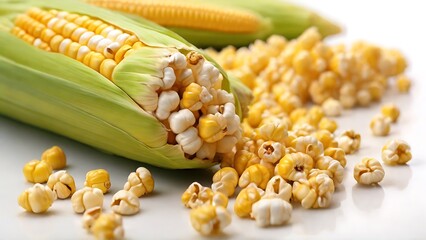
(394, 210)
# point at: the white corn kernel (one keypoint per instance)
(125, 203)
(349, 141)
(225, 181)
(380, 125)
(90, 216)
(332, 107)
(169, 78)
(189, 140)
(277, 187)
(167, 102)
(271, 151)
(396, 151)
(87, 198)
(62, 183)
(368, 171)
(333, 166)
(208, 219)
(316, 192)
(196, 195)
(271, 212)
(36, 199)
(140, 182)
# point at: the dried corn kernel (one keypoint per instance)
(403, 83)
(326, 138)
(309, 145)
(271, 151)
(277, 187)
(272, 130)
(327, 124)
(271, 212)
(244, 159)
(36, 171)
(87, 198)
(196, 195)
(108, 226)
(208, 219)
(36, 199)
(294, 166)
(391, 111)
(349, 141)
(332, 107)
(245, 199)
(98, 178)
(257, 174)
(368, 171)
(140, 182)
(62, 183)
(125, 203)
(396, 151)
(55, 156)
(337, 154)
(380, 125)
(219, 199)
(225, 181)
(90, 216)
(316, 192)
(332, 166)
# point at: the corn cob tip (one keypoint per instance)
(324, 26)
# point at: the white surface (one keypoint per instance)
(393, 210)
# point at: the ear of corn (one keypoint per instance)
(71, 97)
(223, 22)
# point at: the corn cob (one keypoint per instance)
(129, 88)
(221, 23)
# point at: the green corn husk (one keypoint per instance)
(59, 94)
(276, 17)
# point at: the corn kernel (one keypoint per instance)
(294, 166)
(271, 151)
(108, 226)
(396, 151)
(90, 216)
(36, 171)
(208, 219)
(257, 174)
(219, 199)
(272, 131)
(337, 154)
(326, 138)
(316, 192)
(225, 181)
(403, 83)
(363, 97)
(327, 124)
(36, 199)
(245, 199)
(391, 111)
(368, 171)
(271, 212)
(332, 166)
(125, 203)
(62, 183)
(309, 145)
(196, 195)
(332, 107)
(55, 156)
(380, 125)
(277, 187)
(244, 159)
(98, 178)
(349, 141)
(87, 198)
(140, 182)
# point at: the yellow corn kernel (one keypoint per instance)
(125, 203)
(327, 124)
(298, 114)
(403, 83)
(396, 151)
(337, 154)
(212, 128)
(87, 198)
(302, 62)
(315, 114)
(349, 141)
(348, 95)
(36, 171)
(244, 159)
(219, 199)
(55, 156)
(209, 219)
(289, 102)
(332, 166)
(271, 212)
(277, 187)
(316, 192)
(255, 114)
(245, 200)
(257, 174)
(294, 166)
(108, 226)
(273, 130)
(391, 111)
(332, 107)
(196, 195)
(62, 183)
(326, 138)
(140, 182)
(90, 216)
(36, 199)
(380, 125)
(309, 145)
(368, 171)
(98, 178)
(302, 128)
(363, 97)
(225, 181)
(376, 90)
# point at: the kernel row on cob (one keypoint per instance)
(129, 88)
(222, 23)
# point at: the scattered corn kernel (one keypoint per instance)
(391, 111)
(403, 83)
(36, 199)
(327, 124)
(196, 195)
(55, 156)
(332, 166)
(225, 181)
(396, 151)
(277, 187)
(326, 138)
(309, 145)
(332, 107)
(98, 178)
(87, 198)
(257, 174)
(108, 226)
(219, 199)
(36, 171)
(368, 171)
(140, 182)
(245, 199)
(125, 203)
(271, 212)
(90, 216)
(294, 166)
(316, 192)
(337, 154)
(208, 219)
(62, 183)
(380, 125)
(349, 141)
(271, 151)
(244, 159)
